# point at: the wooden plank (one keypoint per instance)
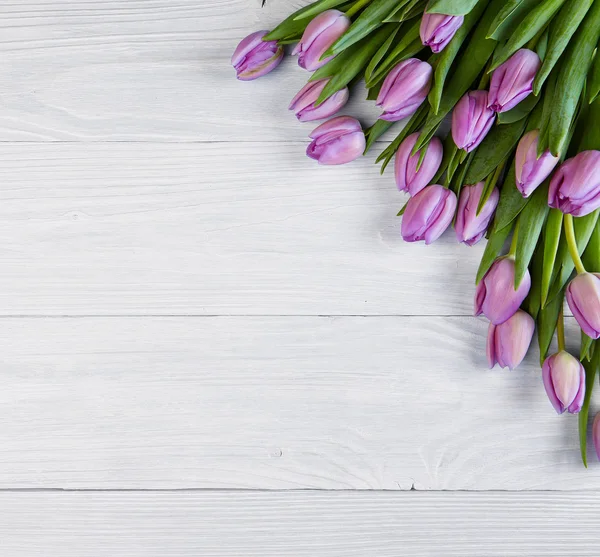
(106, 229)
(298, 524)
(144, 70)
(275, 403)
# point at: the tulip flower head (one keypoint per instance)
(437, 30)
(319, 35)
(564, 381)
(304, 107)
(530, 169)
(408, 178)
(496, 296)
(471, 120)
(471, 227)
(404, 89)
(583, 297)
(428, 214)
(254, 57)
(508, 343)
(575, 186)
(513, 81)
(337, 141)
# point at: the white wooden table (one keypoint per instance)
(210, 346)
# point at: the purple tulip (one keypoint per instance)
(513, 80)
(496, 296)
(408, 178)
(337, 141)
(575, 187)
(531, 171)
(470, 227)
(404, 89)
(596, 434)
(437, 30)
(318, 36)
(254, 57)
(564, 381)
(303, 104)
(508, 343)
(471, 120)
(583, 297)
(428, 214)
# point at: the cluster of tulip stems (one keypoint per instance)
(520, 166)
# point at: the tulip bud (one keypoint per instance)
(437, 30)
(470, 227)
(404, 89)
(428, 214)
(254, 57)
(471, 120)
(513, 81)
(408, 178)
(575, 187)
(583, 297)
(596, 434)
(337, 141)
(303, 104)
(531, 171)
(507, 343)
(564, 381)
(496, 296)
(319, 35)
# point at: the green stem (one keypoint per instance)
(515, 239)
(572, 243)
(560, 330)
(357, 7)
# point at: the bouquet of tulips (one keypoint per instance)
(520, 80)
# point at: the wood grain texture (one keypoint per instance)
(111, 229)
(298, 524)
(144, 70)
(265, 402)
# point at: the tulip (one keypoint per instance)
(596, 434)
(404, 89)
(513, 81)
(428, 214)
(583, 297)
(532, 170)
(318, 36)
(508, 343)
(575, 187)
(337, 141)
(470, 227)
(303, 104)
(408, 178)
(437, 30)
(496, 296)
(471, 120)
(564, 381)
(254, 57)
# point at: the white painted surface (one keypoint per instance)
(167, 256)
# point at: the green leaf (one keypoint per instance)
(511, 201)
(451, 7)
(552, 233)
(571, 79)
(508, 18)
(586, 345)
(591, 369)
(591, 255)
(493, 249)
(470, 65)
(347, 65)
(494, 149)
(533, 301)
(376, 131)
(561, 30)
(317, 8)
(518, 112)
(370, 19)
(527, 28)
(547, 320)
(448, 55)
(401, 211)
(590, 138)
(594, 79)
(381, 52)
(450, 151)
(410, 10)
(531, 221)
